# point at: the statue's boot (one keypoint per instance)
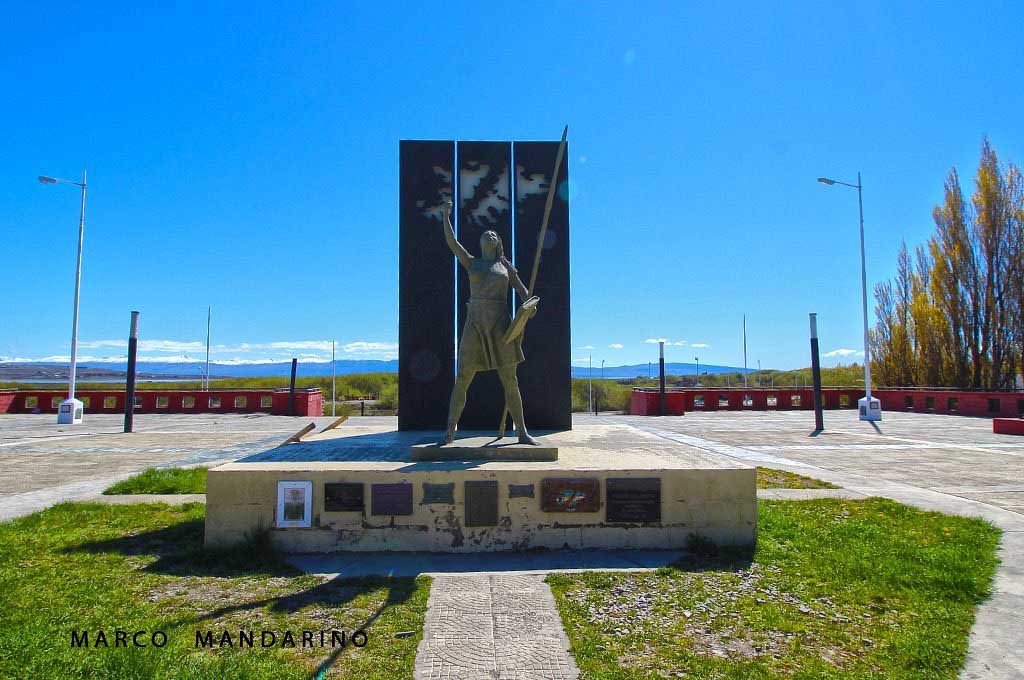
(525, 438)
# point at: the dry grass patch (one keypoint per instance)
(770, 478)
(835, 589)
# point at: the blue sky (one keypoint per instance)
(245, 157)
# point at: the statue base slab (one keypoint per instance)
(483, 448)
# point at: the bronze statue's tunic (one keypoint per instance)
(482, 346)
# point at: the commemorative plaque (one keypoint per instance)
(570, 494)
(520, 490)
(343, 497)
(632, 499)
(391, 499)
(481, 503)
(439, 493)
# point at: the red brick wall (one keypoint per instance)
(645, 403)
(308, 402)
(677, 401)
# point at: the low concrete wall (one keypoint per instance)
(719, 504)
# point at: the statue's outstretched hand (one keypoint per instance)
(446, 207)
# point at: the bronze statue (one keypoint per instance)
(483, 346)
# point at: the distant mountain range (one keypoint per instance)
(642, 370)
(32, 370)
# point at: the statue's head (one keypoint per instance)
(490, 245)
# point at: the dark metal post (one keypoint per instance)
(661, 378)
(819, 419)
(291, 389)
(129, 392)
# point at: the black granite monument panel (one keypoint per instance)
(485, 191)
(481, 503)
(426, 286)
(343, 497)
(581, 494)
(633, 499)
(391, 499)
(545, 376)
(439, 493)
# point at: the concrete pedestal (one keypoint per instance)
(869, 408)
(70, 412)
(613, 486)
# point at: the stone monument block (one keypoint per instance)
(426, 286)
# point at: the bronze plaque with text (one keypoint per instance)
(633, 499)
(343, 497)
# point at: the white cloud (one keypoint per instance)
(322, 345)
(655, 341)
(178, 351)
(96, 344)
(679, 343)
(615, 345)
(586, 347)
(170, 346)
(700, 345)
(363, 347)
(844, 353)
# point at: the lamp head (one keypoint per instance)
(47, 180)
(826, 180)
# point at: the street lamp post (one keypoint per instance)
(590, 383)
(696, 368)
(870, 408)
(71, 409)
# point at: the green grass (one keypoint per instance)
(770, 478)
(142, 567)
(835, 589)
(162, 481)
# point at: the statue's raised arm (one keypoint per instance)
(449, 235)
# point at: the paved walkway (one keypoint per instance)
(493, 626)
(43, 463)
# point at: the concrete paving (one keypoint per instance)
(43, 463)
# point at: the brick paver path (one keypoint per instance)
(493, 626)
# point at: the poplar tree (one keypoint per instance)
(956, 316)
